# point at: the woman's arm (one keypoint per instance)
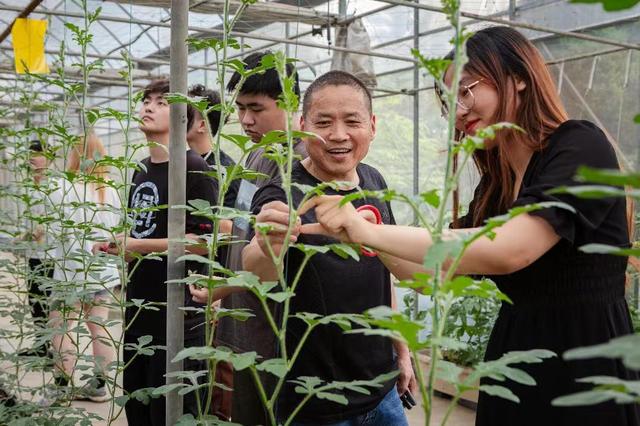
(517, 243)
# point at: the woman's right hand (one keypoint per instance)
(342, 222)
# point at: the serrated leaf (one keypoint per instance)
(244, 360)
(440, 251)
(500, 391)
(590, 191)
(431, 197)
(164, 389)
(281, 296)
(275, 366)
(608, 177)
(340, 399)
(200, 352)
(345, 251)
(607, 249)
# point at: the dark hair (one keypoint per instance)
(502, 57)
(36, 146)
(160, 86)
(213, 98)
(267, 83)
(335, 78)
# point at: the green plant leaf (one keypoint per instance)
(626, 348)
(340, 399)
(281, 296)
(590, 191)
(608, 177)
(275, 366)
(607, 249)
(610, 5)
(345, 251)
(200, 259)
(244, 360)
(499, 391)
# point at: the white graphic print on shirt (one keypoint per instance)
(144, 196)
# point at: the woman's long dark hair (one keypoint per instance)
(502, 56)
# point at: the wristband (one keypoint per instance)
(363, 250)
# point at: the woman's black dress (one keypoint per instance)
(567, 298)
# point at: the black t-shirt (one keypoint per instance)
(149, 189)
(330, 284)
(225, 161)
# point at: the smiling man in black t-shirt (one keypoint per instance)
(149, 234)
(337, 107)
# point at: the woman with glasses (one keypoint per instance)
(562, 297)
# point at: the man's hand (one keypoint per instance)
(407, 377)
(199, 294)
(276, 215)
(115, 247)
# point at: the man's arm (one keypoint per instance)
(255, 260)
(147, 245)
(256, 256)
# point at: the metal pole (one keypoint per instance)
(342, 10)
(177, 183)
(512, 10)
(416, 129)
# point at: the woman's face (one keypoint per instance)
(480, 101)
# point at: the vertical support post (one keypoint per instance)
(512, 10)
(342, 10)
(287, 47)
(177, 184)
(416, 126)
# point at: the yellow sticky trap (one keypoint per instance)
(28, 45)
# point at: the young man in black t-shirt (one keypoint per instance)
(148, 235)
(199, 142)
(337, 106)
(258, 114)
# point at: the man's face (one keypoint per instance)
(38, 163)
(193, 134)
(259, 114)
(154, 114)
(339, 115)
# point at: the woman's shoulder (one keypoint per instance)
(582, 141)
(581, 133)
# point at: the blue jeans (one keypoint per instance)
(388, 413)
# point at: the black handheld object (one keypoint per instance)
(407, 400)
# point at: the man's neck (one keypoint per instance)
(322, 176)
(201, 146)
(159, 153)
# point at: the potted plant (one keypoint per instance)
(470, 322)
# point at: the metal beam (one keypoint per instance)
(516, 24)
(269, 11)
(27, 10)
(210, 31)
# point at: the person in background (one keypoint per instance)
(149, 234)
(258, 113)
(39, 258)
(84, 283)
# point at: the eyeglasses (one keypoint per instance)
(465, 100)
